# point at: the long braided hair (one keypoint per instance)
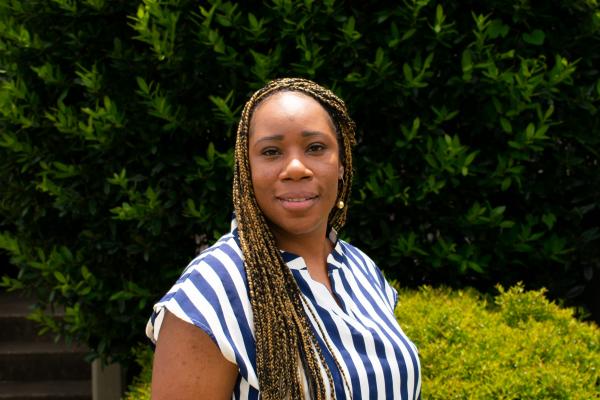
(285, 342)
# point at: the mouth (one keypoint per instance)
(297, 199)
(297, 202)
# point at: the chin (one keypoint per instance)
(297, 228)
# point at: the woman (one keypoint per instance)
(285, 309)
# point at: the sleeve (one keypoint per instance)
(211, 294)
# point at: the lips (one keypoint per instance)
(297, 196)
(297, 201)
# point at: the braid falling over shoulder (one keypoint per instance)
(285, 340)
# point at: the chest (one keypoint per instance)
(358, 332)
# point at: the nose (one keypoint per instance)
(295, 169)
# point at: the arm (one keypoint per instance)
(189, 365)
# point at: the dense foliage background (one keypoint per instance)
(477, 160)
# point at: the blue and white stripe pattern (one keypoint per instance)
(379, 361)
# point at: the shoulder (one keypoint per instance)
(359, 263)
(211, 289)
(212, 295)
(223, 258)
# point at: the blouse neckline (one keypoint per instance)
(296, 262)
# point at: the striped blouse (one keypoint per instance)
(377, 359)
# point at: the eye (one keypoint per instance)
(316, 147)
(270, 152)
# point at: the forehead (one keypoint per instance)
(289, 107)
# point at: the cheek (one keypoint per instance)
(330, 176)
(334, 168)
(254, 169)
(261, 177)
(262, 184)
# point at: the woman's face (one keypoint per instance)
(295, 164)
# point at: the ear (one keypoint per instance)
(341, 172)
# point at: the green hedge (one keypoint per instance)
(476, 164)
(517, 345)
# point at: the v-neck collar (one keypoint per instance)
(296, 262)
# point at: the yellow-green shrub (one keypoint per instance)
(516, 346)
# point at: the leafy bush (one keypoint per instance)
(139, 389)
(477, 157)
(518, 346)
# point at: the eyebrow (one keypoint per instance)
(280, 137)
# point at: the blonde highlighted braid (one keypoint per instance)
(285, 340)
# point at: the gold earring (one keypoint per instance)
(340, 204)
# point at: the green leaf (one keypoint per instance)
(407, 72)
(85, 273)
(408, 34)
(142, 85)
(497, 29)
(431, 161)
(516, 145)
(471, 157)
(506, 126)
(530, 130)
(536, 37)
(348, 29)
(475, 267)
(9, 243)
(549, 220)
(467, 64)
(60, 277)
(496, 212)
(252, 20)
(379, 55)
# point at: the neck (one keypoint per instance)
(313, 247)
